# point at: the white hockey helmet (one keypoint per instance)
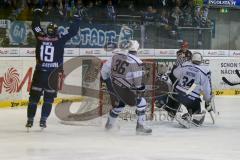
(197, 58)
(134, 46)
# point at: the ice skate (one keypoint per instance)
(184, 120)
(108, 125)
(140, 129)
(29, 124)
(111, 125)
(198, 119)
(42, 124)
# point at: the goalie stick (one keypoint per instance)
(213, 112)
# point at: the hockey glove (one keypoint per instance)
(162, 77)
(38, 11)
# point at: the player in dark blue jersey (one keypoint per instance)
(49, 58)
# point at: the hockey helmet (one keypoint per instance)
(134, 46)
(52, 29)
(197, 58)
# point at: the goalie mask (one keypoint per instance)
(52, 30)
(197, 58)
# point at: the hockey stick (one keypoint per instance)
(213, 111)
(191, 88)
(228, 82)
(212, 115)
(237, 72)
(231, 83)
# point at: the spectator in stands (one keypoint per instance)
(68, 8)
(51, 10)
(131, 7)
(160, 4)
(188, 13)
(176, 16)
(200, 17)
(175, 21)
(197, 17)
(41, 3)
(150, 16)
(201, 21)
(163, 19)
(80, 9)
(99, 12)
(205, 22)
(91, 11)
(149, 19)
(163, 24)
(110, 11)
(198, 3)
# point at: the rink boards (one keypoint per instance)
(17, 67)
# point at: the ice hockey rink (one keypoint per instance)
(167, 142)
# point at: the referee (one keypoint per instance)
(183, 55)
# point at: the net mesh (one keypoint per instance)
(97, 103)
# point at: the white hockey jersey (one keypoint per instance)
(126, 68)
(188, 74)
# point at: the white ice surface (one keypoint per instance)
(168, 141)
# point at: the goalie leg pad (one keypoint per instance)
(172, 106)
(198, 118)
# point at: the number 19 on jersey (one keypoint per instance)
(47, 53)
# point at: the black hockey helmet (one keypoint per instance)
(52, 29)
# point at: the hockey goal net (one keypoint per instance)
(96, 103)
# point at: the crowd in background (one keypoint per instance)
(167, 13)
(162, 16)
